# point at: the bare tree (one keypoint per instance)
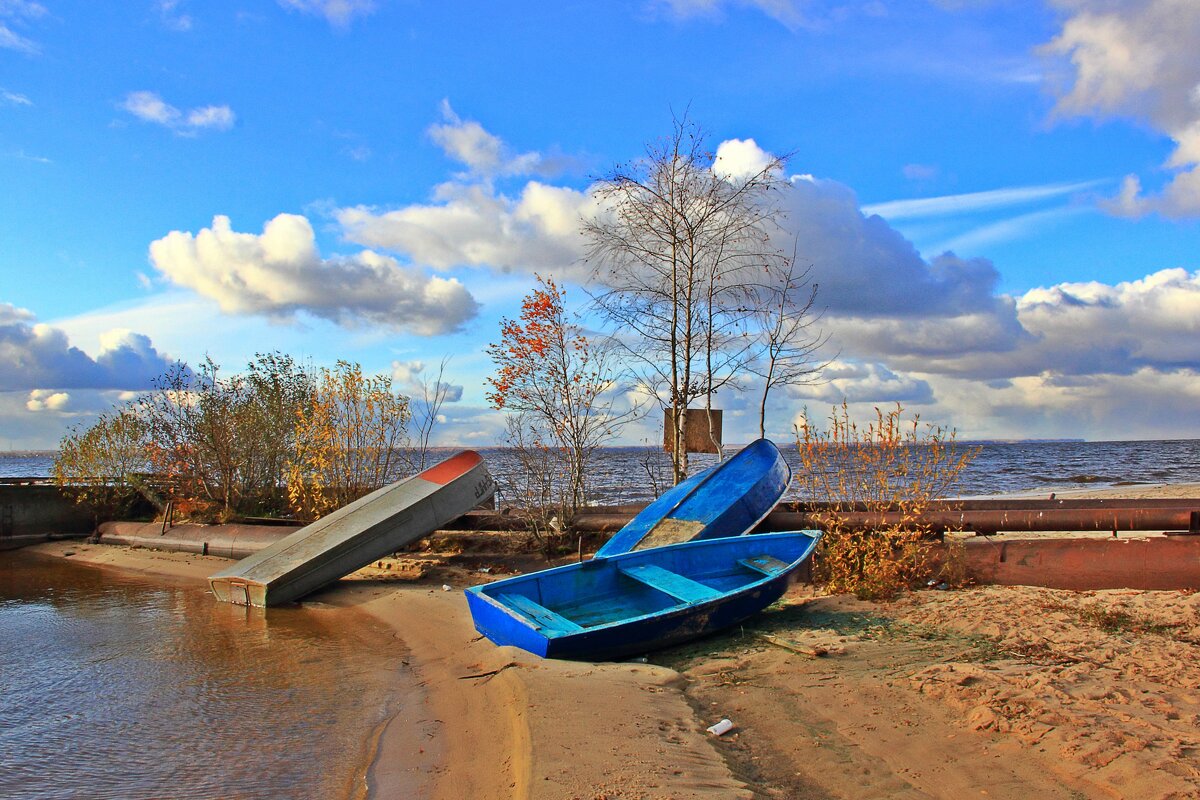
(427, 409)
(787, 344)
(674, 252)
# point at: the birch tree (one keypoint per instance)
(674, 254)
(787, 343)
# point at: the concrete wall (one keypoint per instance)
(36, 511)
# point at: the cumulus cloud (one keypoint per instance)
(908, 328)
(1093, 327)
(339, 13)
(473, 225)
(35, 356)
(867, 268)
(469, 221)
(280, 272)
(47, 400)
(1137, 59)
(1062, 331)
(869, 382)
(150, 107)
(740, 158)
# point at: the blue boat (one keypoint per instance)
(728, 499)
(613, 608)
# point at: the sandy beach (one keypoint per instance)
(988, 691)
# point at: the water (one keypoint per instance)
(629, 475)
(635, 474)
(115, 687)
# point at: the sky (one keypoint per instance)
(998, 199)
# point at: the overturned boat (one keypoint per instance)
(357, 534)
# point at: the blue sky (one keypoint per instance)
(998, 198)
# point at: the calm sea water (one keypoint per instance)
(117, 687)
(633, 474)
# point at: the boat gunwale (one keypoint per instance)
(712, 472)
(664, 613)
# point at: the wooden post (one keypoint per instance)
(698, 438)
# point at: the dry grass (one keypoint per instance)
(888, 465)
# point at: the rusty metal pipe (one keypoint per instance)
(980, 516)
(1067, 519)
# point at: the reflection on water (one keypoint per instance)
(115, 687)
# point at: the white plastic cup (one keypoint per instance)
(721, 728)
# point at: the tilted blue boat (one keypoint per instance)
(612, 608)
(728, 499)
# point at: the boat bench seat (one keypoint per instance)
(677, 586)
(544, 617)
(767, 565)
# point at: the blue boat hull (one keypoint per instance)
(728, 499)
(613, 608)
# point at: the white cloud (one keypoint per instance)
(172, 18)
(485, 154)
(1137, 59)
(790, 13)
(280, 272)
(339, 13)
(1093, 327)
(740, 158)
(410, 376)
(866, 268)
(150, 107)
(37, 356)
(219, 118)
(1066, 330)
(1145, 404)
(47, 400)
(14, 98)
(904, 327)
(1018, 227)
(864, 382)
(18, 12)
(473, 225)
(972, 202)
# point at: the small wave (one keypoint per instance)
(1090, 479)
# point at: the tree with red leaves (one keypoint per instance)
(563, 382)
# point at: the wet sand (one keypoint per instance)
(991, 691)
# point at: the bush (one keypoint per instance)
(99, 465)
(220, 444)
(890, 465)
(348, 440)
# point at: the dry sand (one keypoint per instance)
(992, 692)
